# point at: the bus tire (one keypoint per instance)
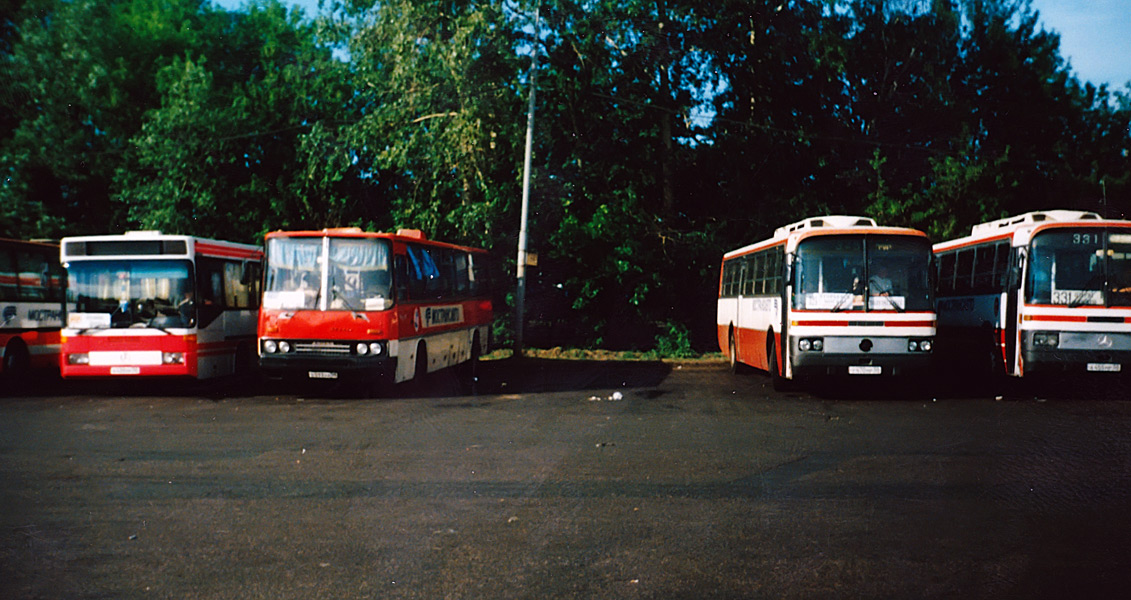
(469, 371)
(421, 368)
(17, 362)
(779, 382)
(736, 367)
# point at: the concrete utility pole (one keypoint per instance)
(520, 267)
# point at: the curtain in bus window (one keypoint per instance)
(422, 272)
(125, 293)
(359, 274)
(294, 273)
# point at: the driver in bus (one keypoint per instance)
(187, 307)
(879, 284)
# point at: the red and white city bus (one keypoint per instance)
(150, 304)
(1042, 292)
(31, 307)
(345, 303)
(833, 295)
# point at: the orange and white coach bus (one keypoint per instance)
(150, 304)
(833, 295)
(31, 307)
(1042, 292)
(373, 307)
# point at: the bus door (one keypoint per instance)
(1010, 327)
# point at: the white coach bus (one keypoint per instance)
(833, 295)
(1041, 292)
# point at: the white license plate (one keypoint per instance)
(864, 370)
(322, 374)
(125, 370)
(1105, 367)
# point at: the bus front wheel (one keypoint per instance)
(779, 382)
(736, 367)
(17, 362)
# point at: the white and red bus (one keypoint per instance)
(150, 304)
(32, 286)
(377, 307)
(1041, 292)
(832, 295)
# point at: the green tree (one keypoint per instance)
(247, 136)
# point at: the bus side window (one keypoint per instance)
(209, 289)
(964, 272)
(8, 277)
(946, 272)
(400, 277)
(1001, 266)
(984, 263)
(31, 269)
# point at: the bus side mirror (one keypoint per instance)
(787, 273)
(1016, 269)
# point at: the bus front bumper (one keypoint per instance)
(1059, 352)
(884, 356)
(314, 368)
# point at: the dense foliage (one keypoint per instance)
(667, 131)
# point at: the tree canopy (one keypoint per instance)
(667, 131)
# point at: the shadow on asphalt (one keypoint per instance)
(506, 376)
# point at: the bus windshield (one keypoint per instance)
(130, 293)
(356, 277)
(837, 273)
(1080, 267)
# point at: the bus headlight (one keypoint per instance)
(1046, 339)
(270, 346)
(375, 348)
(362, 348)
(284, 346)
(173, 358)
(919, 345)
(81, 358)
(814, 344)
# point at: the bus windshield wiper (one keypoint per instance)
(893, 304)
(840, 304)
(336, 293)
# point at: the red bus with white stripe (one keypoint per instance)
(1042, 292)
(377, 307)
(832, 295)
(32, 286)
(147, 304)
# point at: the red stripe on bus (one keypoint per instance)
(1059, 318)
(864, 324)
(217, 250)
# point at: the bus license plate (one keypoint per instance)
(125, 370)
(864, 370)
(1105, 367)
(322, 374)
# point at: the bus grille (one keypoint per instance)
(322, 348)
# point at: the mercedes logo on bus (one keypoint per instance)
(865, 345)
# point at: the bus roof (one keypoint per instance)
(401, 235)
(826, 225)
(86, 246)
(1021, 228)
